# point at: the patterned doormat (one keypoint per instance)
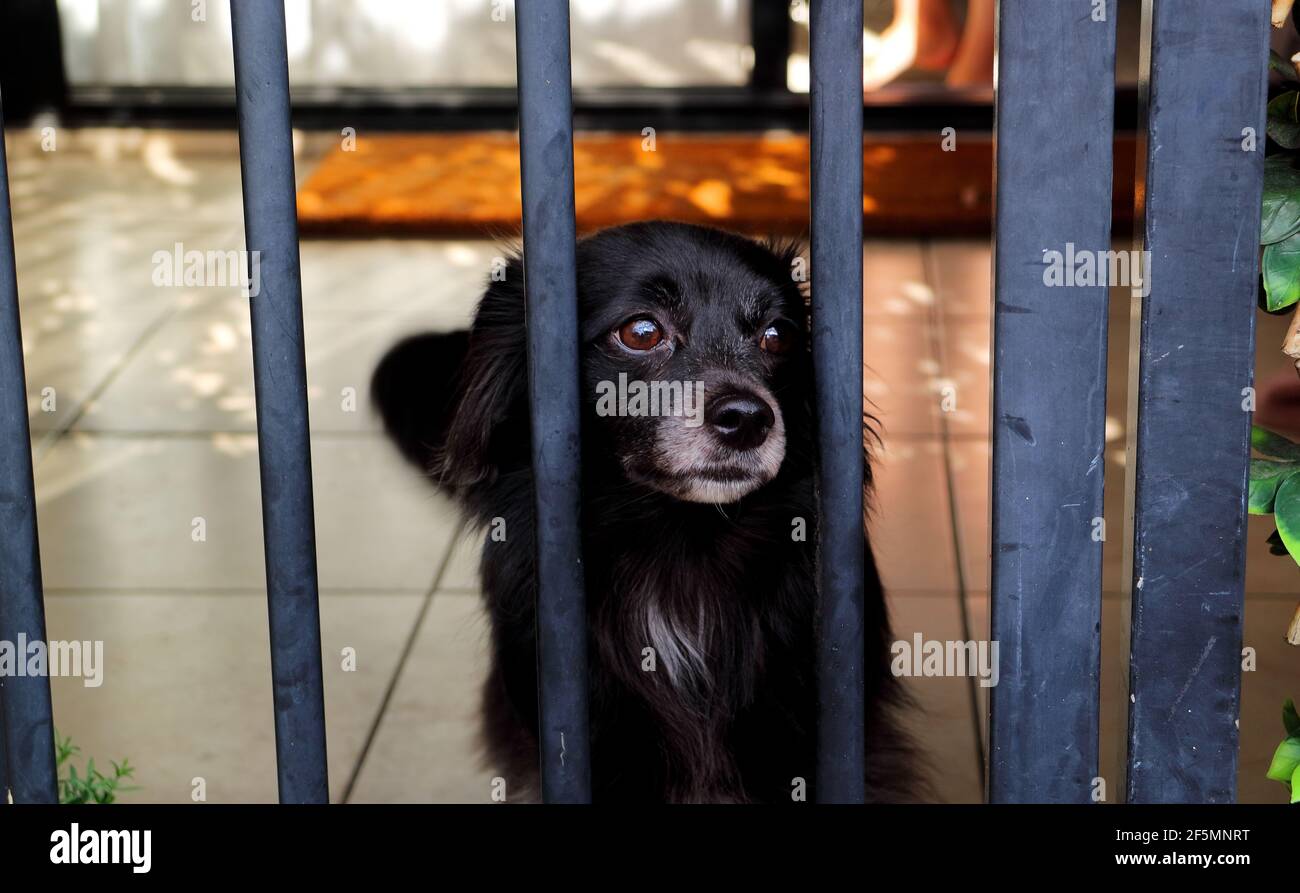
(458, 184)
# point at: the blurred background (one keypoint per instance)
(120, 131)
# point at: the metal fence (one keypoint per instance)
(1205, 71)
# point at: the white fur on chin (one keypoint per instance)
(687, 454)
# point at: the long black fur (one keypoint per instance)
(731, 578)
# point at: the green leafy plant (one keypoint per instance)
(1274, 482)
(1286, 760)
(91, 786)
(1280, 221)
(1275, 488)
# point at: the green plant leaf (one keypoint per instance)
(1291, 719)
(1274, 446)
(1277, 62)
(93, 786)
(1281, 270)
(1284, 120)
(1266, 475)
(1286, 759)
(1275, 544)
(1286, 513)
(1281, 210)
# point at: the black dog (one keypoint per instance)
(699, 522)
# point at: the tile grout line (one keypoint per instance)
(407, 648)
(51, 437)
(939, 355)
(146, 434)
(332, 591)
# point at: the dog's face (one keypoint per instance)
(694, 359)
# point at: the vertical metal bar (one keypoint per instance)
(550, 283)
(29, 724)
(4, 754)
(769, 30)
(1206, 85)
(1049, 395)
(284, 446)
(835, 131)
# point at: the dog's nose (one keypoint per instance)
(741, 421)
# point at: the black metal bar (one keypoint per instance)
(900, 107)
(29, 723)
(550, 283)
(1205, 67)
(31, 58)
(769, 35)
(1049, 397)
(835, 134)
(4, 754)
(284, 447)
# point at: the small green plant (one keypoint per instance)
(92, 786)
(1286, 760)
(1275, 488)
(1280, 229)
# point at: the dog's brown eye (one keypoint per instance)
(778, 338)
(641, 333)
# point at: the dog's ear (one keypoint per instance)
(489, 428)
(413, 389)
(792, 261)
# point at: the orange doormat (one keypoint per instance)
(468, 184)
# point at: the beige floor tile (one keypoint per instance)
(961, 271)
(427, 747)
(970, 474)
(910, 531)
(186, 689)
(901, 380)
(894, 282)
(112, 186)
(967, 369)
(117, 513)
(440, 279)
(1117, 368)
(90, 264)
(69, 354)
(941, 721)
(195, 373)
